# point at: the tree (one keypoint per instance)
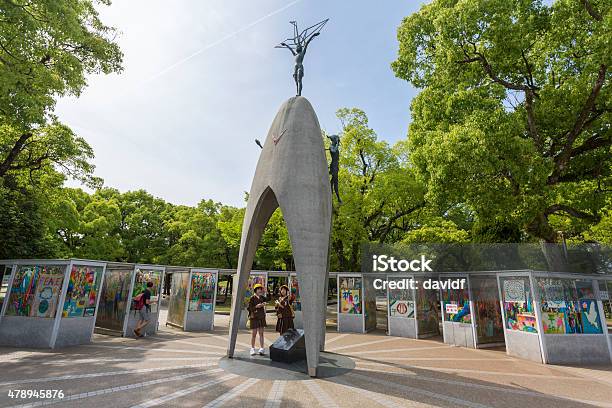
(513, 120)
(274, 250)
(230, 228)
(142, 230)
(195, 236)
(46, 50)
(378, 190)
(22, 222)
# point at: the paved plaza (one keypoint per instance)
(177, 369)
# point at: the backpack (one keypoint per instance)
(138, 302)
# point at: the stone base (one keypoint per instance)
(243, 364)
(289, 348)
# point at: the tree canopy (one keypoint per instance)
(46, 50)
(513, 117)
(510, 141)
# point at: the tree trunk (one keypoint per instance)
(13, 153)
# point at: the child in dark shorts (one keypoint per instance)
(257, 317)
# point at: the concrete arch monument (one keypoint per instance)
(292, 174)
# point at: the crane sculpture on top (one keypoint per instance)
(298, 45)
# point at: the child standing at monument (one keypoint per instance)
(257, 317)
(284, 311)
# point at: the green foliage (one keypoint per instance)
(441, 232)
(513, 121)
(53, 145)
(26, 201)
(510, 140)
(47, 49)
(378, 189)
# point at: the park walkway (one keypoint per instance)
(176, 369)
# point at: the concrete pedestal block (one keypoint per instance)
(458, 334)
(19, 331)
(199, 321)
(577, 349)
(133, 319)
(523, 345)
(402, 327)
(74, 331)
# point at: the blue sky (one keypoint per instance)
(202, 80)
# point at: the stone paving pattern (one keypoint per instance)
(177, 369)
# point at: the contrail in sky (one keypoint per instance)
(219, 41)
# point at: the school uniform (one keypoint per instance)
(257, 316)
(285, 314)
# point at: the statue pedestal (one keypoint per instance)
(289, 348)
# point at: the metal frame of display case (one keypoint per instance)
(8, 287)
(160, 268)
(99, 295)
(214, 302)
(56, 320)
(391, 319)
(545, 338)
(459, 275)
(536, 307)
(339, 276)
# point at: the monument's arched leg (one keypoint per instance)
(255, 220)
(323, 323)
(309, 235)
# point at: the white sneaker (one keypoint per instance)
(253, 352)
(262, 352)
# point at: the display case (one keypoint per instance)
(605, 295)
(31, 316)
(177, 302)
(369, 303)
(521, 316)
(573, 322)
(427, 309)
(143, 274)
(351, 317)
(488, 322)
(457, 312)
(294, 288)
(51, 303)
(81, 303)
(202, 296)
(114, 298)
(401, 313)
